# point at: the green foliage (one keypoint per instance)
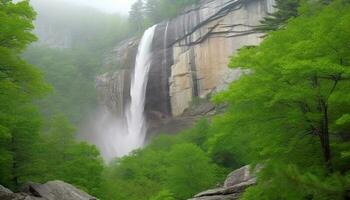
(20, 84)
(26, 154)
(294, 183)
(170, 167)
(290, 111)
(229, 146)
(60, 156)
(189, 171)
(16, 24)
(163, 195)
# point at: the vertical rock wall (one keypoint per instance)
(114, 86)
(157, 95)
(206, 35)
(190, 56)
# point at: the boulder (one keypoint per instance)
(235, 189)
(238, 176)
(234, 186)
(56, 190)
(53, 190)
(218, 197)
(4, 190)
(6, 194)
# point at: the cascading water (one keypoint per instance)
(136, 122)
(118, 135)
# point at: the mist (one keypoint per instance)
(107, 6)
(74, 38)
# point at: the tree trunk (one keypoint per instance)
(325, 139)
(14, 163)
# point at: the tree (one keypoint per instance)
(136, 16)
(20, 84)
(284, 10)
(60, 156)
(169, 167)
(190, 171)
(292, 103)
(152, 11)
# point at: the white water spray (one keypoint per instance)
(116, 136)
(135, 114)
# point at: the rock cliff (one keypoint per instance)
(202, 39)
(190, 56)
(114, 86)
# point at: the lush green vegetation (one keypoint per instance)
(173, 167)
(20, 83)
(293, 107)
(291, 113)
(34, 149)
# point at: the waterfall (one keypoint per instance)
(165, 44)
(136, 122)
(118, 135)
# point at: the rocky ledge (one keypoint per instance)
(234, 186)
(53, 190)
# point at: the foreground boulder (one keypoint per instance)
(234, 186)
(53, 190)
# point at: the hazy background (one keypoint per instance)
(107, 6)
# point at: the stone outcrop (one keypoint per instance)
(234, 186)
(53, 190)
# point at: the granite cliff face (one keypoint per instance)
(200, 43)
(190, 57)
(114, 86)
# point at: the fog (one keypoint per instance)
(66, 24)
(107, 6)
(74, 37)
